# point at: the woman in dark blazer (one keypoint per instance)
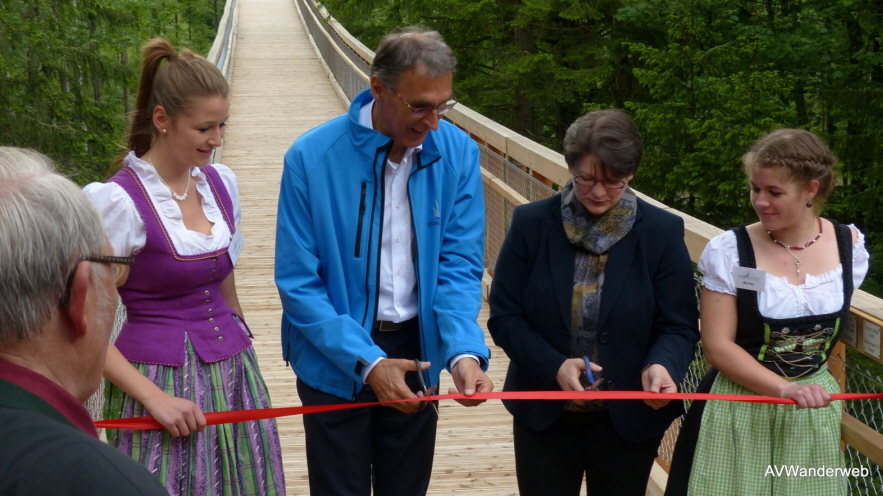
(596, 272)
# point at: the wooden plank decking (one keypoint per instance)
(279, 91)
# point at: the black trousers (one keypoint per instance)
(350, 451)
(552, 462)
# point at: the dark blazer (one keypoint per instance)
(648, 312)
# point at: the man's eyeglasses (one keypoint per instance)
(421, 112)
(608, 184)
(117, 264)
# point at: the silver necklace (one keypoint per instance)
(176, 196)
(813, 237)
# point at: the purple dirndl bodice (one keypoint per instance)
(170, 297)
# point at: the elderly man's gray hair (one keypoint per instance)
(412, 48)
(46, 225)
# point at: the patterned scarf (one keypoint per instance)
(594, 238)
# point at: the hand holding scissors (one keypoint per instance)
(593, 384)
(571, 370)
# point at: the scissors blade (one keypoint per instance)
(426, 391)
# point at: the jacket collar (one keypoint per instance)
(24, 389)
(370, 143)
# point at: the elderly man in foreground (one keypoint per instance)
(57, 305)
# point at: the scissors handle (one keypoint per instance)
(589, 370)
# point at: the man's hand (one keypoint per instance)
(656, 379)
(469, 378)
(387, 379)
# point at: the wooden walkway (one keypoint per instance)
(280, 90)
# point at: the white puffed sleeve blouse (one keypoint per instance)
(125, 228)
(819, 294)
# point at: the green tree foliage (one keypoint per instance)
(68, 71)
(702, 78)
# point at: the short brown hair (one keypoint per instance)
(802, 154)
(609, 135)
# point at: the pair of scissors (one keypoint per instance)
(593, 384)
(426, 391)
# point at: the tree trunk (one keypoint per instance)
(524, 117)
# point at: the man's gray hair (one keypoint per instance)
(46, 225)
(412, 48)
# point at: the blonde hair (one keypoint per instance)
(802, 154)
(173, 86)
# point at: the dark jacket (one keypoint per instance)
(648, 312)
(43, 452)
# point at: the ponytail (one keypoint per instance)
(172, 85)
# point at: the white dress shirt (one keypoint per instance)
(397, 294)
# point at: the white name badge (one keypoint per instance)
(235, 246)
(747, 278)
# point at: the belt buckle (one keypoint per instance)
(387, 326)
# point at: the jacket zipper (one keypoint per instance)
(417, 264)
(371, 236)
(385, 150)
(361, 218)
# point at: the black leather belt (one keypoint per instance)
(388, 325)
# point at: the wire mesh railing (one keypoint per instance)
(95, 403)
(349, 70)
(863, 376)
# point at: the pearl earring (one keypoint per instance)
(809, 204)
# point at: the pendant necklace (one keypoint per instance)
(176, 196)
(791, 249)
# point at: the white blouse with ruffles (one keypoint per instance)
(126, 230)
(819, 294)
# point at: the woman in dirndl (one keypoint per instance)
(184, 347)
(775, 298)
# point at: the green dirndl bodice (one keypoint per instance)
(730, 448)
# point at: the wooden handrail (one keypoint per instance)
(221, 53)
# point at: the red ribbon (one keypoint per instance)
(213, 418)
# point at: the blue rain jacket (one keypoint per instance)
(328, 249)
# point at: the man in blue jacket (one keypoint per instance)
(379, 258)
